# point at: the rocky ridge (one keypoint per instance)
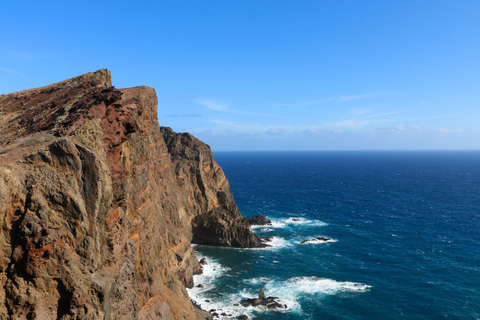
(99, 205)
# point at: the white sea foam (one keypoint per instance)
(267, 230)
(282, 223)
(291, 290)
(315, 240)
(278, 224)
(303, 221)
(256, 281)
(200, 295)
(298, 221)
(211, 271)
(288, 291)
(314, 285)
(276, 243)
(228, 304)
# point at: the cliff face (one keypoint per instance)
(97, 205)
(216, 219)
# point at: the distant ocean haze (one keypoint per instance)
(404, 230)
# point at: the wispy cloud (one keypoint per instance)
(17, 55)
(212, 105)
(189, 115)
(216, 106)
(255, 127)
(338, 99)
(409, 129)
(12, 71)
(366, 119)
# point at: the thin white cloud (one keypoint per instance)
(212, 105)
(338, 99)
(351, 123)
(188, 115)
(449, 130)
(216, 106)
(409, 129)
(17, 55)
(255, 127)
(360, 111)
(12, 71)
(366, 119)
(377, 115)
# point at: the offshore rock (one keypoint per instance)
(96, 212)
(269, 303)
(259, 220)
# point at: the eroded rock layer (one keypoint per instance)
(97, 204)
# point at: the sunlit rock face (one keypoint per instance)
(99, 205)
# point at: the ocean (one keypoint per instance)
(404, 230)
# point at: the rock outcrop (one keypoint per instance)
(216, 219)
(99, 205)
(259, 220)
(270, 303)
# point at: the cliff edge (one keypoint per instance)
(99, 205)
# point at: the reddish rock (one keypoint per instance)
(96, 210)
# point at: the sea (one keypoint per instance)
(403, 232)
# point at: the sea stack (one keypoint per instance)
(99, 205)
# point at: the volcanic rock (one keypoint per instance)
(99, 205)
(260, 220)
(270, 303)
(216, 219)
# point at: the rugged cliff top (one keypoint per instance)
(54, 108)
(99, 205)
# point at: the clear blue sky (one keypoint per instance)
(269, 75)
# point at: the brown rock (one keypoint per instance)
(262, 295)
(270, 303)
(96, 211)
(216, 219)
(260, 220)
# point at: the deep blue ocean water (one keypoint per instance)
(405, 230)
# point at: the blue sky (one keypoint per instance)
(269, 75)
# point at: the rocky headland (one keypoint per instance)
(99, 205)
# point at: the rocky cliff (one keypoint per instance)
(99, 205)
